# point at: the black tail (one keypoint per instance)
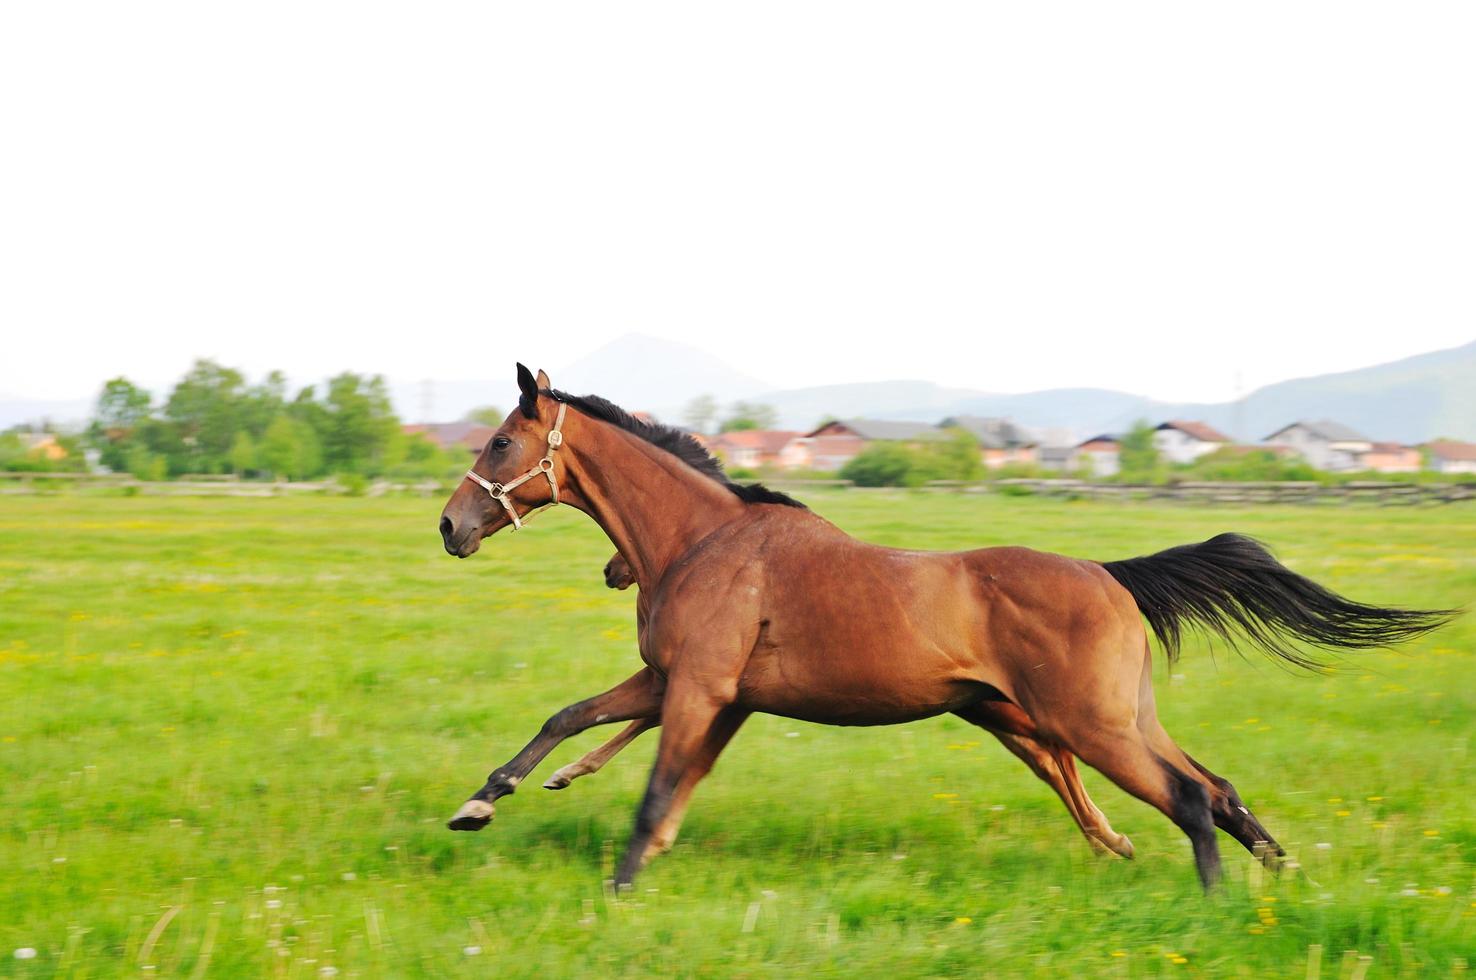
(1232, 581)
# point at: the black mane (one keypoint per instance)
(680, 444)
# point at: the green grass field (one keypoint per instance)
(232, 731)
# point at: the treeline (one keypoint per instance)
(214, 422)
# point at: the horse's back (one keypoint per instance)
(867, 634)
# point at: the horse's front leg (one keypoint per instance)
(638, 696)
(689, 715)
(593, 761)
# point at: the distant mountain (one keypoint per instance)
(1410, 400)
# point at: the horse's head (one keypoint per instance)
(618, 574)
(516, 473)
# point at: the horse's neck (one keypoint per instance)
(653, 506)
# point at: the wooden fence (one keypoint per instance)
(1372, 491)
(205, 485)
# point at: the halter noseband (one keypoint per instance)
(499, 491)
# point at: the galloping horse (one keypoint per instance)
(751, 602)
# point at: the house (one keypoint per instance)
(1100, 455)
(1449, 456)
(1001, 442)
(1391, 457)
(1059, 458)
(752, 448)
(836, 443)
(1325, 444)
(43, 445)
(467, 436)
(1179, 441)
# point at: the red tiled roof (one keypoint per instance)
(1452, 450)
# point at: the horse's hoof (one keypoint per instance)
(473, 815)
(559, 780)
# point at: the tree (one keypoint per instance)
(204, 409)
(749, 415)
(243, 454)
(700, 413)
(145, 465)
(122, 408)
(362, 434)
(289, 448)
(262, 403)
(1137, 456)
(486, 415)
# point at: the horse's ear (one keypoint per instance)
(528, 400)
(543, 383)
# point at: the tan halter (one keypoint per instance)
(499, 491)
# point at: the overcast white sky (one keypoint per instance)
(1152, 197)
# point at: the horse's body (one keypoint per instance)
(1001, 718)
(749, 602)
(842, 632)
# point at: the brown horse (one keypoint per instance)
(1053, 764)
(750, 602)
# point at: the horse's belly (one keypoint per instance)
(837, 692)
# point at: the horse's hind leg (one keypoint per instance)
(1123, 754)
(1055, 766)
(1058, 770)
(1234, 818)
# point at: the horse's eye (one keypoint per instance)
(501, 443)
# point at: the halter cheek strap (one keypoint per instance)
(499, 491)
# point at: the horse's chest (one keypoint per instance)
(651, 651)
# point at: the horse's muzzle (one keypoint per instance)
(459, 545)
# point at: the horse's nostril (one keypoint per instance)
(446, 528)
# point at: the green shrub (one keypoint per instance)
(882, 464)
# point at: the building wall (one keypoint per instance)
(831, 452)
(1335, 457)
(1315, 451)
(997, 458)
(797, 454)
(1401, 461)
(1181, 447)
(1102, 459)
